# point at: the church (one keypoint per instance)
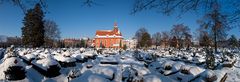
(108, 38)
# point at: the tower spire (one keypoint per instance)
(115, 24)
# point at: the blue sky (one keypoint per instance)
(76, 21)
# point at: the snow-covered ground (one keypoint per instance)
(86, 65)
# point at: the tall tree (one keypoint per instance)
(188, 41)
(33, 29)
(204, 40)
(82, 43)
(181, 32)
(165, 38)
(180, 7)
(174, 42)
(145, 40)
(233, 42)
(238, 42)
(218, 9)
(139, 34)
(156, 39)
(217, 24)
(25, 4)
(52, 33)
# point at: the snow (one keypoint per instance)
(208, 74)
(82, 49)
(152, 78)
(88, 76)
(106, 71)
(195, 71)
(167, 63)
(66, 53)
(45, 63)
(77, 56)
(88, 53)
(29, 56)
(96, 78)
(185, 67)
(9, 62)
(176, 67)
(128, 65)
(64, 59)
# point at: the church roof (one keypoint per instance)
(115, 32)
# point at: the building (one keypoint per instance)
(108, 38)
(130, 43)
(82, 42)
(70, 42)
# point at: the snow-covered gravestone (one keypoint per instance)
(129, 74)
(152, 78)
(65, 59)
(12, 66)
(47, 66)
(82, 50)
(209, 75)
(74, 73)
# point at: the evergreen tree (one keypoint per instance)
(124, 47)
(145, 40)
(33, 29)
(138, 36)
(120, 44)
(233, 42)
(101, 45)
(82, 43)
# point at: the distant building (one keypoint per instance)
(108, 38)
(82, 42)
(71, 42)
(130, 43)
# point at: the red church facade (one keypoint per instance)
(108, 38)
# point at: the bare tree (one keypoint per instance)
(204, 38)
(26, 4)
(156, 39)
(217, 24)
(181, 32)
(188, 41)
(169, 7)
(217, 8)
(174, 42)
(89, 3)
(165, 39)
(145, 41)
(52, 33)
(139, 33)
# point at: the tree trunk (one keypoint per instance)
(215, 40)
